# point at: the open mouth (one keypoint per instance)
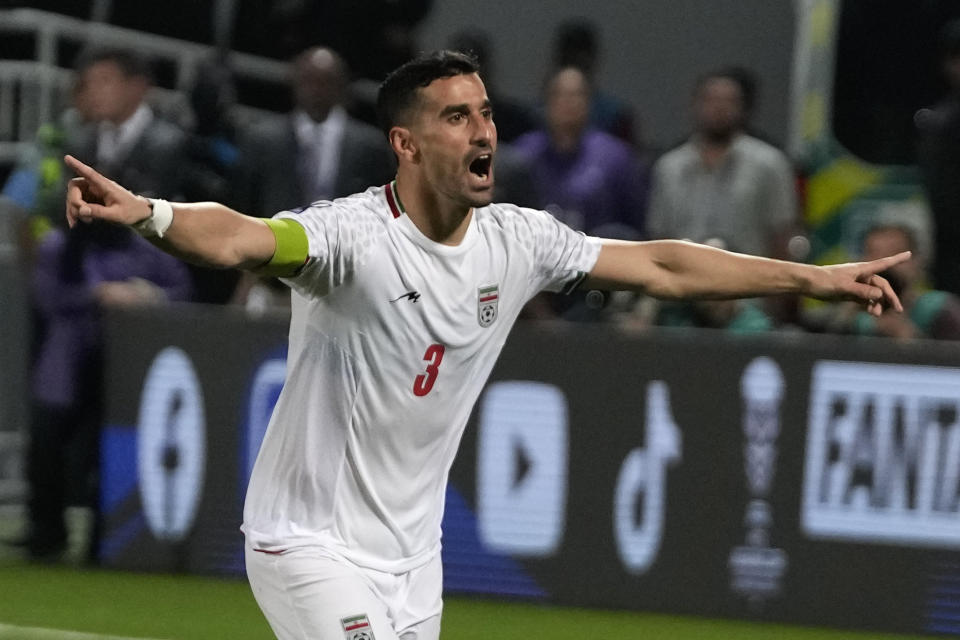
(481, 165)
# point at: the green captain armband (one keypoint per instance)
(292, 249)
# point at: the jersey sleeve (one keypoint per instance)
(336, 239)
(562, 257)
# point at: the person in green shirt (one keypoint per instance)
(928, 313)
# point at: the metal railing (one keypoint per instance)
(33, 92)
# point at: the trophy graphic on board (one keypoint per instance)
(756, 568)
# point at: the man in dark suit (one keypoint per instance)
(127, 141)
(317, 152)
(123, 136)
(76, 276)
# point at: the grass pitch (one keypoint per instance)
(56, 602)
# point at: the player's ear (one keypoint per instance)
(403, 144)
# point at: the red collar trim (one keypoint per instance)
(393, 200)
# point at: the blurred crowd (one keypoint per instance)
(578, 153)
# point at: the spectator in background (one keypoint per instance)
(588, 178)
(127, 141)
(31, 193)
(939, 130)
(723, 184)
(750, 90)
(77, 276)
(741, 317)
(513, 117)
(317, 152)
(109, 120)
(212, 152)
(576, 44)
(926, 313)
(212, 157)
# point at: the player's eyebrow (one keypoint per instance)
(463, 108)
(449, 110)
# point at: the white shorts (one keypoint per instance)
(310, 593)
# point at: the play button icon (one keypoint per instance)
(522, 467)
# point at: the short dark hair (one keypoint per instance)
(130, 62)
(399, 91)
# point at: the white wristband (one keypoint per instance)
(159, 220)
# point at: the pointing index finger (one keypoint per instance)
(882, 264)
(85, 171)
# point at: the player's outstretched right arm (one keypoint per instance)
(204, 232)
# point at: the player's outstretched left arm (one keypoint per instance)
(678, 269)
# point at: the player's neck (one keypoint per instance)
(437, 218)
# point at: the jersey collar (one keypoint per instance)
(410, 230)
(393, 200)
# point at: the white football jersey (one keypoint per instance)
(392, 338)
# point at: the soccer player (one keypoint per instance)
(402, 299)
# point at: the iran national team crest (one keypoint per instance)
(357, 628)
(487, 298)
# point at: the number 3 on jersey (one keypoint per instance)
(424, 382)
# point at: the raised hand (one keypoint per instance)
(858, 281)
(92, 196)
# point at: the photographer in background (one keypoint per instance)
(927, 313)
